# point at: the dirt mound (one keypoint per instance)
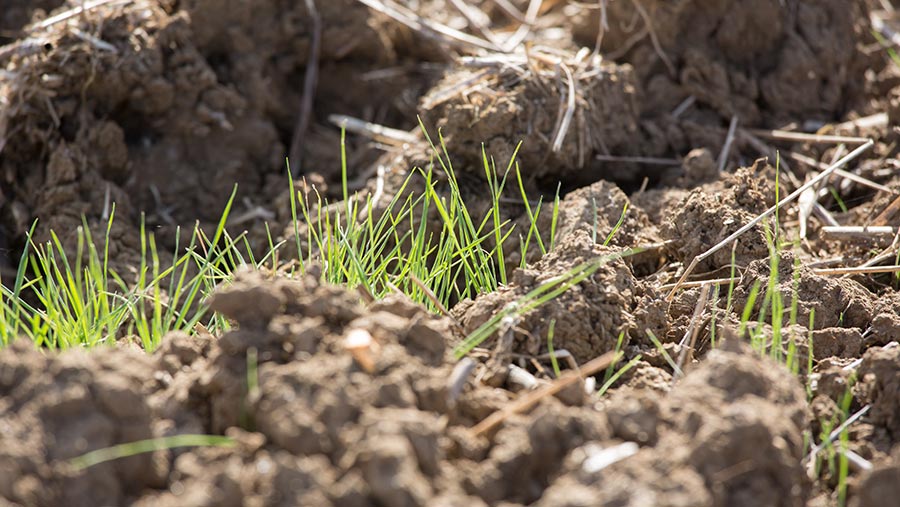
(712, 212)
(589, 317)
(837, 302)
(592, 110)
(164, 109)
(765, 61)
(58, 408)
(321, 416)
(314, 423)
(301, 408)
(733, 411)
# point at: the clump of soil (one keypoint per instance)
(589, 317)
(313, 425)
(837, 302)
(205, 96)
(765, 62)
(733, 410)
(497, 107)
(598, 209)
(880, 375)
(712, 212)
(57, 408)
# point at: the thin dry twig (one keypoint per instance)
(426, 27)
(875, 120)
(653, 38)
(811, 162)
(97, 42)
(770, 152)
(693, 329)
(430, 295)
(566, 122)
(75, 11)
(783, 135)
(887, 213)
(870, 270)
(859, 230)
(532, 398)
(810, 458)
(23, 47)
(685, 104)
(509, 9)
(309, 89)
(478, 23)
(531, 14)
(824, 174)
(860, 270)
(380, 133)
(887, 253)
(436, 98)
(726, 148)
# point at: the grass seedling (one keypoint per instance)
(533, 230)
(150, 445)
(609, 382)
(553, 360)
(843, 442)
(748, 308)
(662, 350)
(618, 225)
(609, 371)
(246, 416)
(555, 215)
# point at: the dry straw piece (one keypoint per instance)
(531, 399)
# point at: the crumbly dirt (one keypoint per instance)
(161, 107)
(589, 317)
(18, 13)
(314, 426)
(473, 118)
(764, 61)
(204, 98)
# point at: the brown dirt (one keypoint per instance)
(589, 317)
(318, 429)
(204, 99)
(18, 13)
(766, 61)
(192, 97)
(605, 121)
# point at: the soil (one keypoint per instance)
(316, 428)
(161, 107)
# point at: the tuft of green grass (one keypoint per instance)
(662, 350)
(66, 299)
(423, 241)
(426, 243)
(618, 374)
